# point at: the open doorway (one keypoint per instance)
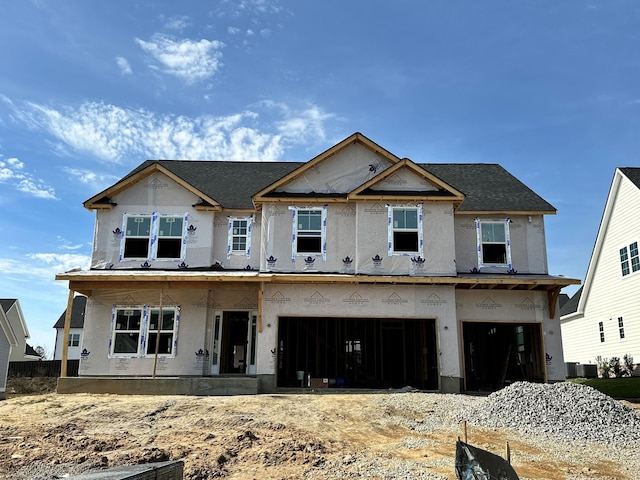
(234, 342)
(498, 354)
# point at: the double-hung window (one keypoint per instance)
(153, 237)
(601, 329)
(166, 329)
(405, 231)
(74, 340)
(239, 236)
(135, 330)
(621, 327)
(629, 259)
(127, 332)
(493, 243)
(309, 230)
(137, 236)
(170, 237)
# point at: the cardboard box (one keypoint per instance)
(319, 382)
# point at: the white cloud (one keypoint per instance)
(233, 30)
(42, 266)
(123, 65)
(179, 22)
(12, 172)
(116, 134)
(190, 60)
(88, 177)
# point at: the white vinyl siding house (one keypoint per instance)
(606, 321)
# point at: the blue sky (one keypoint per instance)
(88, 90)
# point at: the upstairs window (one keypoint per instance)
(137, 236)
(629, 259)
(74, 340)
(239, 236)
(494, 247)
(170, 237)
(405, 230)
(153, 237)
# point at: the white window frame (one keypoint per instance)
(143, 331)
(392, 228)
(155, 236)
(295, 211)
(480, 243)
(232, 234)
(72, 337)
(629, 256)
(621, 327)
(601, 330)
(129, 234)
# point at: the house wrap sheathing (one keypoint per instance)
(356, 269)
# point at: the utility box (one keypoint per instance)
(586, 370)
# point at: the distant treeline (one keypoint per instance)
(42, 368)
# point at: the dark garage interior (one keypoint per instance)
(498, 354)
(357, 352)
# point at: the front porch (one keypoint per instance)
(199, 386)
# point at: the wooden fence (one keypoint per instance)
(42, 368)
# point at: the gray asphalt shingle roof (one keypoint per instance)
(77, 313)
(633, 174)
(487, 187)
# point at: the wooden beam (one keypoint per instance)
(553, 301)
(260, 309)
(65, 335)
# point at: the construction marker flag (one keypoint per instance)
(473, 463)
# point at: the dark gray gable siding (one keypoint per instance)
(77, 313)
(633, 174)
(487, 187)
(7, 303)
(5, 350)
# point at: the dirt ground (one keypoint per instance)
(281, 436)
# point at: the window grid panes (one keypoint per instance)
(127, 327)
(170, 232)
(624, 261)
(494, 243)
(137, 235)
(635, 259)
(239, 236)
(73, 340)
(167, 325)
(601, 328)
(621, 327)
(405, 230)
(309, 231)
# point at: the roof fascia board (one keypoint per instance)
(415, 168)
(352, 139)
(138, 177)
(602, 229)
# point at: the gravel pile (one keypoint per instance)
(566, 410)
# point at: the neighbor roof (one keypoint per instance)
(77, 313)
(7, 303)
(633, 174)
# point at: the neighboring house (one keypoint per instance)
(22, 352)
(602, 320)
(74, 339)
(356, 269)
(8, 341)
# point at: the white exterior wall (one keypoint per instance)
(191, 333)
(235, 261)
(608, 295)
(528, 243)
(361, 301)
(360, 231)
(73, 352)
(516, 307)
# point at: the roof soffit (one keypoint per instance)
(273, 190)
(97, 201)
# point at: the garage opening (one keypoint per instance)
(357, 352)
(498, 354)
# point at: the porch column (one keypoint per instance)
(65, 335)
